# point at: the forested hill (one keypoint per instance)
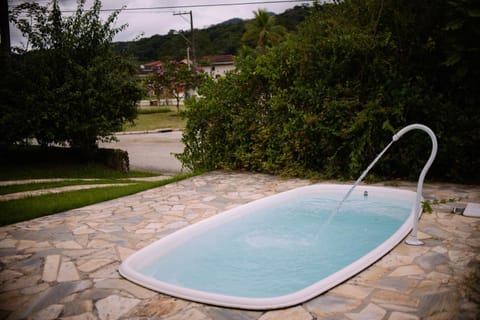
(223, 38)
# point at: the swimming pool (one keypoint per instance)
(277, 251)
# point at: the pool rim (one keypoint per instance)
(129, 271)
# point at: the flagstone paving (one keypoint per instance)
(64, 266)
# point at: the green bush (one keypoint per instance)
(328, 99)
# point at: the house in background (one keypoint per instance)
(217, 66)
(148, 68)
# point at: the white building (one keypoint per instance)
(217, 66)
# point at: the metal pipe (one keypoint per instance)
(414, 239)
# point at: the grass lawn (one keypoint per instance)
(37, 206)
(157, 118)
(37, 163)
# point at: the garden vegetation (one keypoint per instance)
(67, 85)
(326, 100)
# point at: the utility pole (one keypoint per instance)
(194, 58)
(4, 26)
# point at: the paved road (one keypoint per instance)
(151, 151)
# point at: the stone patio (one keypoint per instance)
(65, 266)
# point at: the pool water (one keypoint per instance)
(278, 248)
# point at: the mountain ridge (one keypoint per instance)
(222, 38)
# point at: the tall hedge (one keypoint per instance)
(330, 97)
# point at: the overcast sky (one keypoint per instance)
(145, 23)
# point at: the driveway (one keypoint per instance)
(153, 151)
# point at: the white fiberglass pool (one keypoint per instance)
(277, 251)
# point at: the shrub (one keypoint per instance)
(330, 97)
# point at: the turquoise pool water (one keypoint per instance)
(277, 248)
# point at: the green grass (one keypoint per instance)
(33, 207)
(57, 184)
(64, 170)
(19, 163)
(157, 118)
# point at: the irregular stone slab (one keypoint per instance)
(373, 273)
(84, 316)
(232, 314)
(77, 307)
(113, 307)
(107, 272)
(352, 291)
(25, 244)
(128, 286)
(402, 316)
(9, 275)
(67, 272)
(93, 265)
(68, 245)
(50, 269)
(401, 284)
(8, 243)
(50, 296)
(97, 244)
(84, 229)
(190, 314)
(12, 301)
(430, 260)
(410, 270)
(326, 304)
(21, 283)
(389, 261)
(437, 232)
(296, 313)
(35, 289)
(49, 313)
(392, 297)
(372, 311)
(44, 233)
(438, 301)
(160, 307)
(124, 253)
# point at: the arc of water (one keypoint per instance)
(413, 239)
(364, 173)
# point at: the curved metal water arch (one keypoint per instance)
(413, 240)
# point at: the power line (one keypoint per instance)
(204, 5)
(168, 9)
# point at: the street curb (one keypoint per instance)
(164, 130)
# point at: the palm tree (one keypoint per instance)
(262, 31)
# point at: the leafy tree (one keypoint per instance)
(175, 79)
(330, 97)
(263, 31)
(78, 90)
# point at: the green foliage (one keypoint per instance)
(69, 87)
(330, 97)
(223, 38)
(174, 79)
(263, 31)
(426, 207)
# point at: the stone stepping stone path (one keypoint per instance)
(64, 266)
(24, 194)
